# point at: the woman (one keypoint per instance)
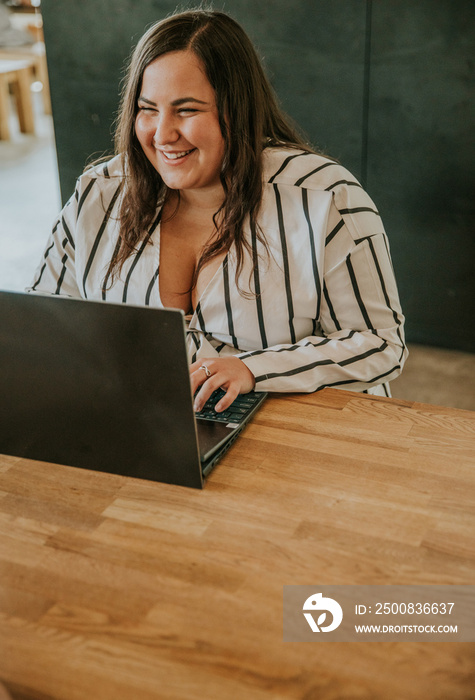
(215, 205)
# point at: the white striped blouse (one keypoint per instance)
(324, 309)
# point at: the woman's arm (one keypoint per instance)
(358, 339)
(362, 342)
(56, 272)
(78, 249)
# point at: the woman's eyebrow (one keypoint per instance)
(144, 99)
(182, 100)
(175, 103)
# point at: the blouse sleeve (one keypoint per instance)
(56, 272)
(359, 338)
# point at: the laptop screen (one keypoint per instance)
(98, 386)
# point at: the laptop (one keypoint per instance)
(106, 387)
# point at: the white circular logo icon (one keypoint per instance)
(318, 602)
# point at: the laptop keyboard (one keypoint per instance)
(236, 412)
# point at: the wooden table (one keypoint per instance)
(114, 588)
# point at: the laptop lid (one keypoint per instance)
(97, 385)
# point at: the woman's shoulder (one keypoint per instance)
(289, 166)
(100, 179)
(106, 169)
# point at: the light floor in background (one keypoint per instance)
(29, 202)
(29, 198)
(438, 376)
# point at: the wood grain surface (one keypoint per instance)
(118, 589)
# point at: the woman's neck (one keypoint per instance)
(199, 202)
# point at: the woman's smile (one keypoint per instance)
(170, 155)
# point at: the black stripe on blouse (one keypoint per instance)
(286, 162)
(85, 195)
(358, 210)
(285, 258)
(138, 255)
(357, 294)
(199, 315)
(64, 260)
(316, 275)
(98, 238)
(344, 382)
(196, 343)
(322, 363)
(351, 183)
(312, 172)
(68, 233)
(227, 301)
(330, 307)
(384, 290)
(150, 287)
(291, 348)
(403, 349)
(257, 288)
(43, 268)
(373, 380)
(334, 231)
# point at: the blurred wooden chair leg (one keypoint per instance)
(36, 55)
(4, 109)
(22, 90)
(17, 76)
(42, 75)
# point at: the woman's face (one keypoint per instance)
(177, 123)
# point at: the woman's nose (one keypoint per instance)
(166, 130)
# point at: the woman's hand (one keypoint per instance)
(229, 373)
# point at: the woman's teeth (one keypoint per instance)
(175, 156)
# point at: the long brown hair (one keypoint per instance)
(249, 117)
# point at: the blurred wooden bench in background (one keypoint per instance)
(15, 77)
(36, 56)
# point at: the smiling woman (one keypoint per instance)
(215, 204)
(177, 125)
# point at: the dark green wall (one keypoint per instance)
(421, 160)
(386, 87)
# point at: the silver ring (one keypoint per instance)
(206, 370)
